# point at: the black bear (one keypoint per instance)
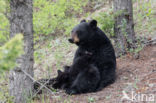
(81, 77)
(94, 63)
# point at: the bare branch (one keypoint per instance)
(151, 42)
(42, 85)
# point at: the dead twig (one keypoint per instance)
(150, 42)
(42, 85)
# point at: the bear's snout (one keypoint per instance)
(71, 40)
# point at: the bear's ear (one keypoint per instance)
(59, 72)
(82, 21)
(93, 23)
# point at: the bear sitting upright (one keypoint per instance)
(94, 63)
(77, 77)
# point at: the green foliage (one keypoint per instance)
(4, 93)
(91, 100)
(106, 22)
(49, 17)
(4, 23)
(144, 17)
(55, 16)
(10, 51)
(54, 52)
(139, 46)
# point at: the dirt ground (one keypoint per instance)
(136, 78)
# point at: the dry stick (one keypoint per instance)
(153, 42)
(42, 85)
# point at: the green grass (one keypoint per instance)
(54, 54)
(145, 18)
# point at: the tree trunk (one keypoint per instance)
(20, 86)
(124, 26)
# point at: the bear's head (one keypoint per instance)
(83, 32)
(60, 80)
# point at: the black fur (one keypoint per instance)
(94, 62)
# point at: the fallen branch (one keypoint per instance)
(42, 85)
(150, 42)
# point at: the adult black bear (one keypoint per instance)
(94, 63)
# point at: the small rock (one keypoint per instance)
(136, 56)
(150, 85)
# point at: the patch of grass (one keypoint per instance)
(144, 17)
(91, 100)
(54, 54)
(4, 92)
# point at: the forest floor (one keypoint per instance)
(136, 78)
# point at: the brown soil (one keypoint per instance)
(137, 75)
